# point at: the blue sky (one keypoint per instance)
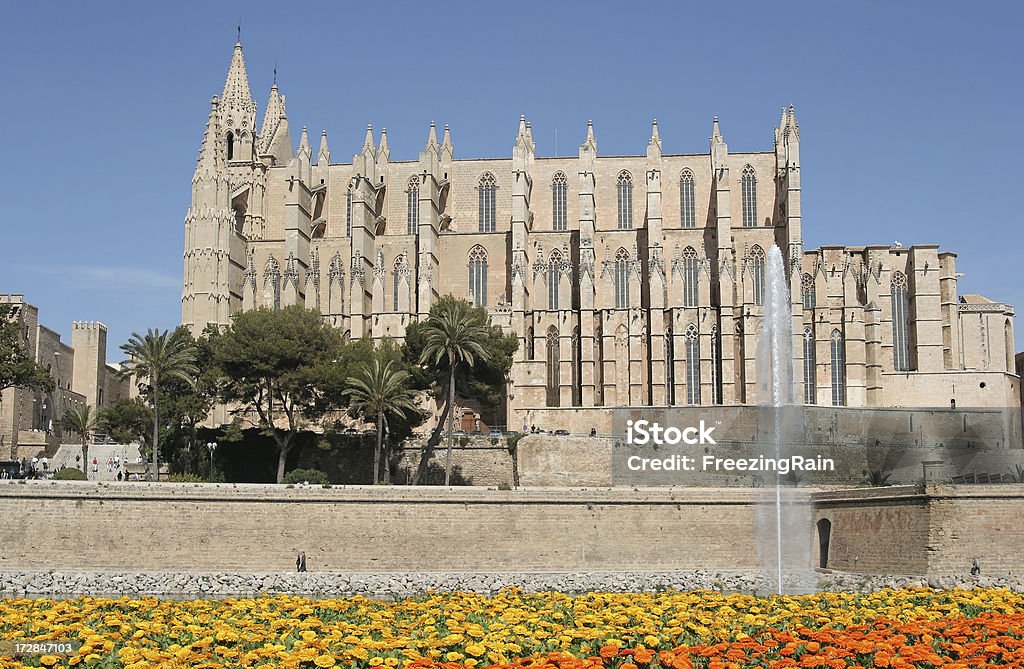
(909, 115)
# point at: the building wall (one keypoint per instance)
(591, 352)
(29, 419)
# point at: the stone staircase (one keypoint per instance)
(65, 457)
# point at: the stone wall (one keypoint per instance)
(261, 528)
(154, 526)
(938, 532)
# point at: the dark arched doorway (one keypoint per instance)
(824, 534)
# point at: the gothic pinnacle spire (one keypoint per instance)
(210, 157)
(304, 149)
(432, 136)
(323, 156)
(716, 132)
(236, 86)
(655, 135)
(447, 140)
(384, 152)
(368, 144)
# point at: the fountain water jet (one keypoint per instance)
(784, 528)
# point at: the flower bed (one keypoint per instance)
(890, 628)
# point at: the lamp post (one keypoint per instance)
(211, 446)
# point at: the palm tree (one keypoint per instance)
(158, 357)
(81, 420)
(453, 337)
(375, 392)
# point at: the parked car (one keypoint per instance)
(561, 433)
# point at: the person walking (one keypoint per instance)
(300, 562)
(95, 467)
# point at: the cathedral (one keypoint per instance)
(629, 280)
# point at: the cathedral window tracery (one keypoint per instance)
(757, 263)
(687, 213)
(624, 192)
(487, 208)
(621, 279)
(478, 276)
(691, 277)
(749, 192)
(838, 369)
(413, 206)
(810, 396)
(900, 323)
(692, 365)
(559, 191)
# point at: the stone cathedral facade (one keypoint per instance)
(630, 280)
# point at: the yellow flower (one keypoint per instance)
(48, 660)
(324, 661)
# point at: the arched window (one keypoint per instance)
(692, 365)
(486, 191)
(810, 394)
(716, 378)
(559, 191)
(396, 275)
(838, 369)
(670, 368)
(749, 191)
(272, 284)
(621, 279)
(624, 189)
(348, 211)
(554, 274)
(552, 365)
(530, 344)
(687, 213)
(577, 368)
(691, 277)
(757, 273)
(807, 290)
(478, 276)
(412, 221)
(900, 323)
(231, 145)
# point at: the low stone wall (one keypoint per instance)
(162, 526)
(329, 584)
(939, 531)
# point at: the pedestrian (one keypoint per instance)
(46, 464)
(300, 562)
(119, 476)
(117, 462)
(95, 466)
(110, 465)
(35, 463)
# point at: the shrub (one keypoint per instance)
(314, 476)
(185, 478)
(69, 474)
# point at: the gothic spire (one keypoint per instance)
(323, 156)
(384, 152)
(716, 132)
(236, 87)
(590, 140)
(655, 135)
(368, 145)
(211, 158)
(305, 151)
(447, 150)
(432, 136)
(273, 118)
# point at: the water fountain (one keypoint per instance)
(784, 526)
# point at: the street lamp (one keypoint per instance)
(211, 446)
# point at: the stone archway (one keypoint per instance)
(824, 536)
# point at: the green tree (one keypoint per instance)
(155, 359)
(81, 420)
(485, 382)
(17, 368)
(126, 420)
(271, 363)
(454, 336)
(375, 392)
